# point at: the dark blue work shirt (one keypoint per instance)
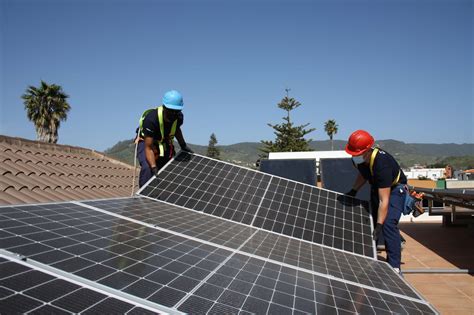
(151, 125)
(385, 171)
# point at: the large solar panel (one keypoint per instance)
(187, 270)
(265, 201)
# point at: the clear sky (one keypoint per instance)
(400, 69)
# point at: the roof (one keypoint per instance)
(34, 172)
(432, 246)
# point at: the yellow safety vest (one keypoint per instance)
(372, 160)
(170, 138)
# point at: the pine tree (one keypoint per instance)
(330, 127)
(289, 138)
(212, 150)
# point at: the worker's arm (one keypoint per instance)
(384, 197)
(182, 143)
(358, 183)
(150, 156)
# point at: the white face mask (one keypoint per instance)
(358, 159)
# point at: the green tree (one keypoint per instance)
(330, 127)
(289, 138)
(212, 150)
(46, 106)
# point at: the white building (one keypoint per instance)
(430, 173)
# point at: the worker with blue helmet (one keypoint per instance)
(157, 129)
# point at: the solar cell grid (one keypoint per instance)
(278, 248)
(154, 265)
(326, 261)
(23, 289)
(179, 220)
(315, 215)
(210, 186)
(251, 285)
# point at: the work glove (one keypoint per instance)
(351, 193)
(154, 171)
(187, 149)
(377, 231)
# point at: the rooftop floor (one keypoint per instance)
(430, 245)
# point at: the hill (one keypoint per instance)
(461, 156)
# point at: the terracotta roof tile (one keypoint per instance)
(33, 172)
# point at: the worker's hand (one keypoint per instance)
(351, 193)
(378, 229)
(187, 149)
(137, 139)
(154, 171)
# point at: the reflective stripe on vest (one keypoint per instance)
(162, 129)
(140, 123)
(371, 166)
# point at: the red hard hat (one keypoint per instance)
(359, 142)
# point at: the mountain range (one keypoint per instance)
(460, 156)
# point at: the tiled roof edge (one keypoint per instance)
(59, 147)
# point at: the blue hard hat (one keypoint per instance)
(173, 100)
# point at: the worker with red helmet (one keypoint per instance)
(387, 181)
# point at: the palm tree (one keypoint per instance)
(46, 107)
(330, 127)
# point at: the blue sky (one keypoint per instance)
(399, 69)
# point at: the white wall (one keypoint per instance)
(308, 155)
(317, 155)
(459, 184)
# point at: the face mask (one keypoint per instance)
(358, 159)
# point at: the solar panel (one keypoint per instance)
(24, 289)
(265, 201)
(339, 174)
(162, 268)
(300, 170)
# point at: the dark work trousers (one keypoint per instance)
(145, 170)
(374, 206)
(390, 231)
